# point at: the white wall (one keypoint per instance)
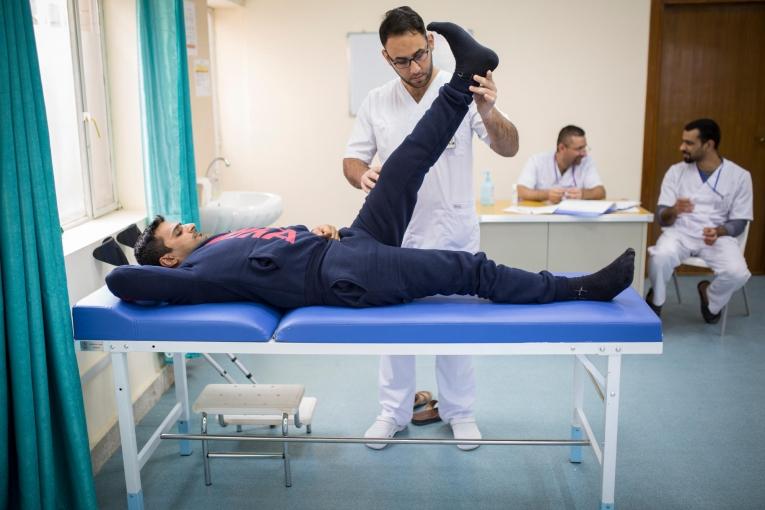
(201, 105)
(282, 78)
(122, 67)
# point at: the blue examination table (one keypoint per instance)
(439, 325)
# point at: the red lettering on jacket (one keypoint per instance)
(251, 232)
(257, 233)
(285, 234)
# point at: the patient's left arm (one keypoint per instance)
(155, 284)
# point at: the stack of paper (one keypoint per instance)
(626, 206)
(578, 207)
(525, 209)
(584, 207)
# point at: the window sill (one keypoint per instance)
(81, 236)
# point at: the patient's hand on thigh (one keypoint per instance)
(326, 231)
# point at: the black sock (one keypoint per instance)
(471, 58)
(604, 285)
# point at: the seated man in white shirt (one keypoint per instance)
(567, 172)
(705, 203)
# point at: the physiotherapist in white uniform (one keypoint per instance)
(444, 217)
(705, 203)
(567, 172)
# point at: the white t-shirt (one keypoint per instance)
(726, 195)
(542, 172)
(444, 216)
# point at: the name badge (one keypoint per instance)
(452, 143)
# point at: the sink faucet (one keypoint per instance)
(212, 165)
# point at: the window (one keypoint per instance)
(70, 48)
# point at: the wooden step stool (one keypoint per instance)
(254, 401)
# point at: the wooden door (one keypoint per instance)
(707, 59)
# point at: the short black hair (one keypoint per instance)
(569, 131)
(401, 20)
(708, 130)
(149, 248)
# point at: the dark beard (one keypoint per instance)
(425, 83)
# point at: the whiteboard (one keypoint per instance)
(367, 69)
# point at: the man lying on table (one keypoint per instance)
(363, 265)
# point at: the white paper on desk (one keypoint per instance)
(584, 207)
(625, 206)
(524, 209)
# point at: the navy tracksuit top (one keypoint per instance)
(272, 265)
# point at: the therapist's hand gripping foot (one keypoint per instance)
(471, 58)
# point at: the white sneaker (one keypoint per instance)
(382, 428)
(466, 428)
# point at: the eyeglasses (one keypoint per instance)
(405, 62)
(585, 148)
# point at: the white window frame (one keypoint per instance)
(87, 171)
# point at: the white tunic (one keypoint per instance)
(444, 216)
(726, 195)
(542, 172)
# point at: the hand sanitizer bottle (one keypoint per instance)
(487, 189)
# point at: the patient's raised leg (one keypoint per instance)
(388, 208)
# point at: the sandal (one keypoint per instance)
(421, 398)
(428, 415)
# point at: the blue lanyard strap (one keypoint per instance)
(717, 180)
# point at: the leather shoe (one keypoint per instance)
(421, 398)
(428, 414)
(709, 317)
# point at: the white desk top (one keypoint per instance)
(496, 214)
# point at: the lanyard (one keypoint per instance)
(555, 171)
(720, 168)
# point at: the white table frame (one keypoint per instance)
(607, 386)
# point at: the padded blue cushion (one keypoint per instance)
(102, 316)
(457, 319)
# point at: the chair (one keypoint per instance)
(697, 262)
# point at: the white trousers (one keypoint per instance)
(724, 257)
(397, 386)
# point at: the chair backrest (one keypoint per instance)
(742, 237)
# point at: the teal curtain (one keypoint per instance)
(168, 147)
(44, 453)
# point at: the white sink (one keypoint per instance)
(239, 209)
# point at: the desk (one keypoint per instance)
(562, 243)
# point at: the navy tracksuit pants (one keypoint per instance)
(368, 267)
